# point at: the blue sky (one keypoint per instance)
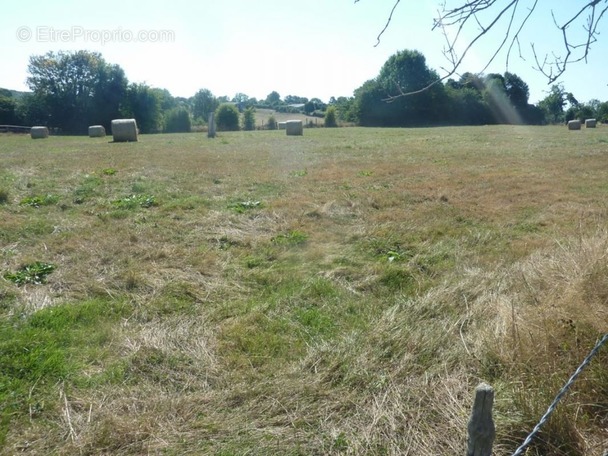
(312, 48)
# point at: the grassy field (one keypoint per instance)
(342, 292)
(262, 116)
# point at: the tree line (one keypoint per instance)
(72, 90)
(390, 99)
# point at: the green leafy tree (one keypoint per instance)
(241, 100)
(309, 107)
(471, 81)
(272, 123)
(331, 117)
(294, 99)
(369, 108)
(553, 104)
(178, 120)
(495, 97)
(109, 94)
(32, 110)
(204, 102)
(602, 112)
(466, 105)
(318, 104)
(582, 111)
(517, 91)
(166, 100)
(77, 88)
(227, 117)
(344, 108)
(273, 98)
(405, 71)
(143, 104)
(249, 119)
(8, 107)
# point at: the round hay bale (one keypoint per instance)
(124, 130)
(590, 123)
(39, 132)
(97, 131)
(294, 128)
(574, 125)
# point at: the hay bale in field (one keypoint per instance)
(590, 123)
(124, 130)
(294, 128)
(39, 132)
(97, 131)
(281, 125)
(574, 125)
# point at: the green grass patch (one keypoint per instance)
(260, 339)
(53, 345)
(292, 237)
(299, 173)
(87, 189)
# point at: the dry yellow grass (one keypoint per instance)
(337, 293)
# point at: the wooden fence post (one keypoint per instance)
(481, 426)
(211, 126)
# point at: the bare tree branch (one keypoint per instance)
(390, 18)
(484, 16)
(451, 50)
(555, 68)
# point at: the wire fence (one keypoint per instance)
(559, 396)
(481, 427)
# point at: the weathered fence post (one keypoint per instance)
(481, 426)
(211, 125)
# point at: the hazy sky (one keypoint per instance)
(311, 48)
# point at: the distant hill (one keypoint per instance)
(12, 93)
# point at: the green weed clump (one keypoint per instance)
(34, 273)
(38, 201)
(135, 201)
(243, 206)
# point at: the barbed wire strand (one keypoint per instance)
(562, 392)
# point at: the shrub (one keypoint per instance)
(249, 119)
(330, 117)
(227, 117)
(272, 123)
(177, 120)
